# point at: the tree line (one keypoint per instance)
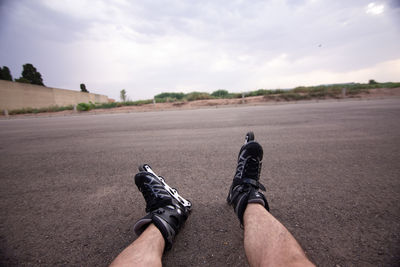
(29, 75)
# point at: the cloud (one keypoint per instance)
(383, 72)
(374, 9)
(147, 47)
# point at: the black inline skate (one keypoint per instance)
(166, 208)
(245, 185)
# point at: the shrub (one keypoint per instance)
(392, 85)
(220, 94)
(300, 89)
(258, 92)
(178, 96)
(162, 100)
(235, 95)
(85, 106)
(197, 96)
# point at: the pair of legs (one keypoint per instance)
(266, 241)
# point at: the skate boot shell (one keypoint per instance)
(245, 185)
(164, 211)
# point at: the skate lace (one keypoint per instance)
(154, 195)
(247, 168)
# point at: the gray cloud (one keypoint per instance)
(394, 3)
(148, 46)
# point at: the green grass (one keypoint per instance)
(193, 96)
(121, 104)
(40, 110)
(137, 103)
(108, 105)
(261, 92)
(80, 107)
(320, 91)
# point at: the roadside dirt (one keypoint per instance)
(255, 100)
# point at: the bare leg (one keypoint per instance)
(147, 250)
(267, 242)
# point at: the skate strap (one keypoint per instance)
(254, 183)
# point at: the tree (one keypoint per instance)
(83, 88)
(30, 73)
(372, 82)
(5, 74)
(22, 80)
(122, 95)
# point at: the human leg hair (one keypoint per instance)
(267, 242)
(147, 250)
(165, 217)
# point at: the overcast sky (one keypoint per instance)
(149, 47)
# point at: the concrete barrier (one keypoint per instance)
(14, 95)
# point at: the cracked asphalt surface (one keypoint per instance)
(331, 170)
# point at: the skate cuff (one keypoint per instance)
(169, 220)
(141, 225)
(166, 231)
(253, 182)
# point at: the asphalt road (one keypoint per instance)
(332, 172)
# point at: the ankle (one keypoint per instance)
(155, 234)
(253, 208)
(252, 212)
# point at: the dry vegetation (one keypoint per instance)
(222, 97)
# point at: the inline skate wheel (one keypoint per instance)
(141, 168)
(249, 137)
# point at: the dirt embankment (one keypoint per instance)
(254, 100)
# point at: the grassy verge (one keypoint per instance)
(79, 107)
(40, 110)
(193, 96)
(298, 93)
(121, 104)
